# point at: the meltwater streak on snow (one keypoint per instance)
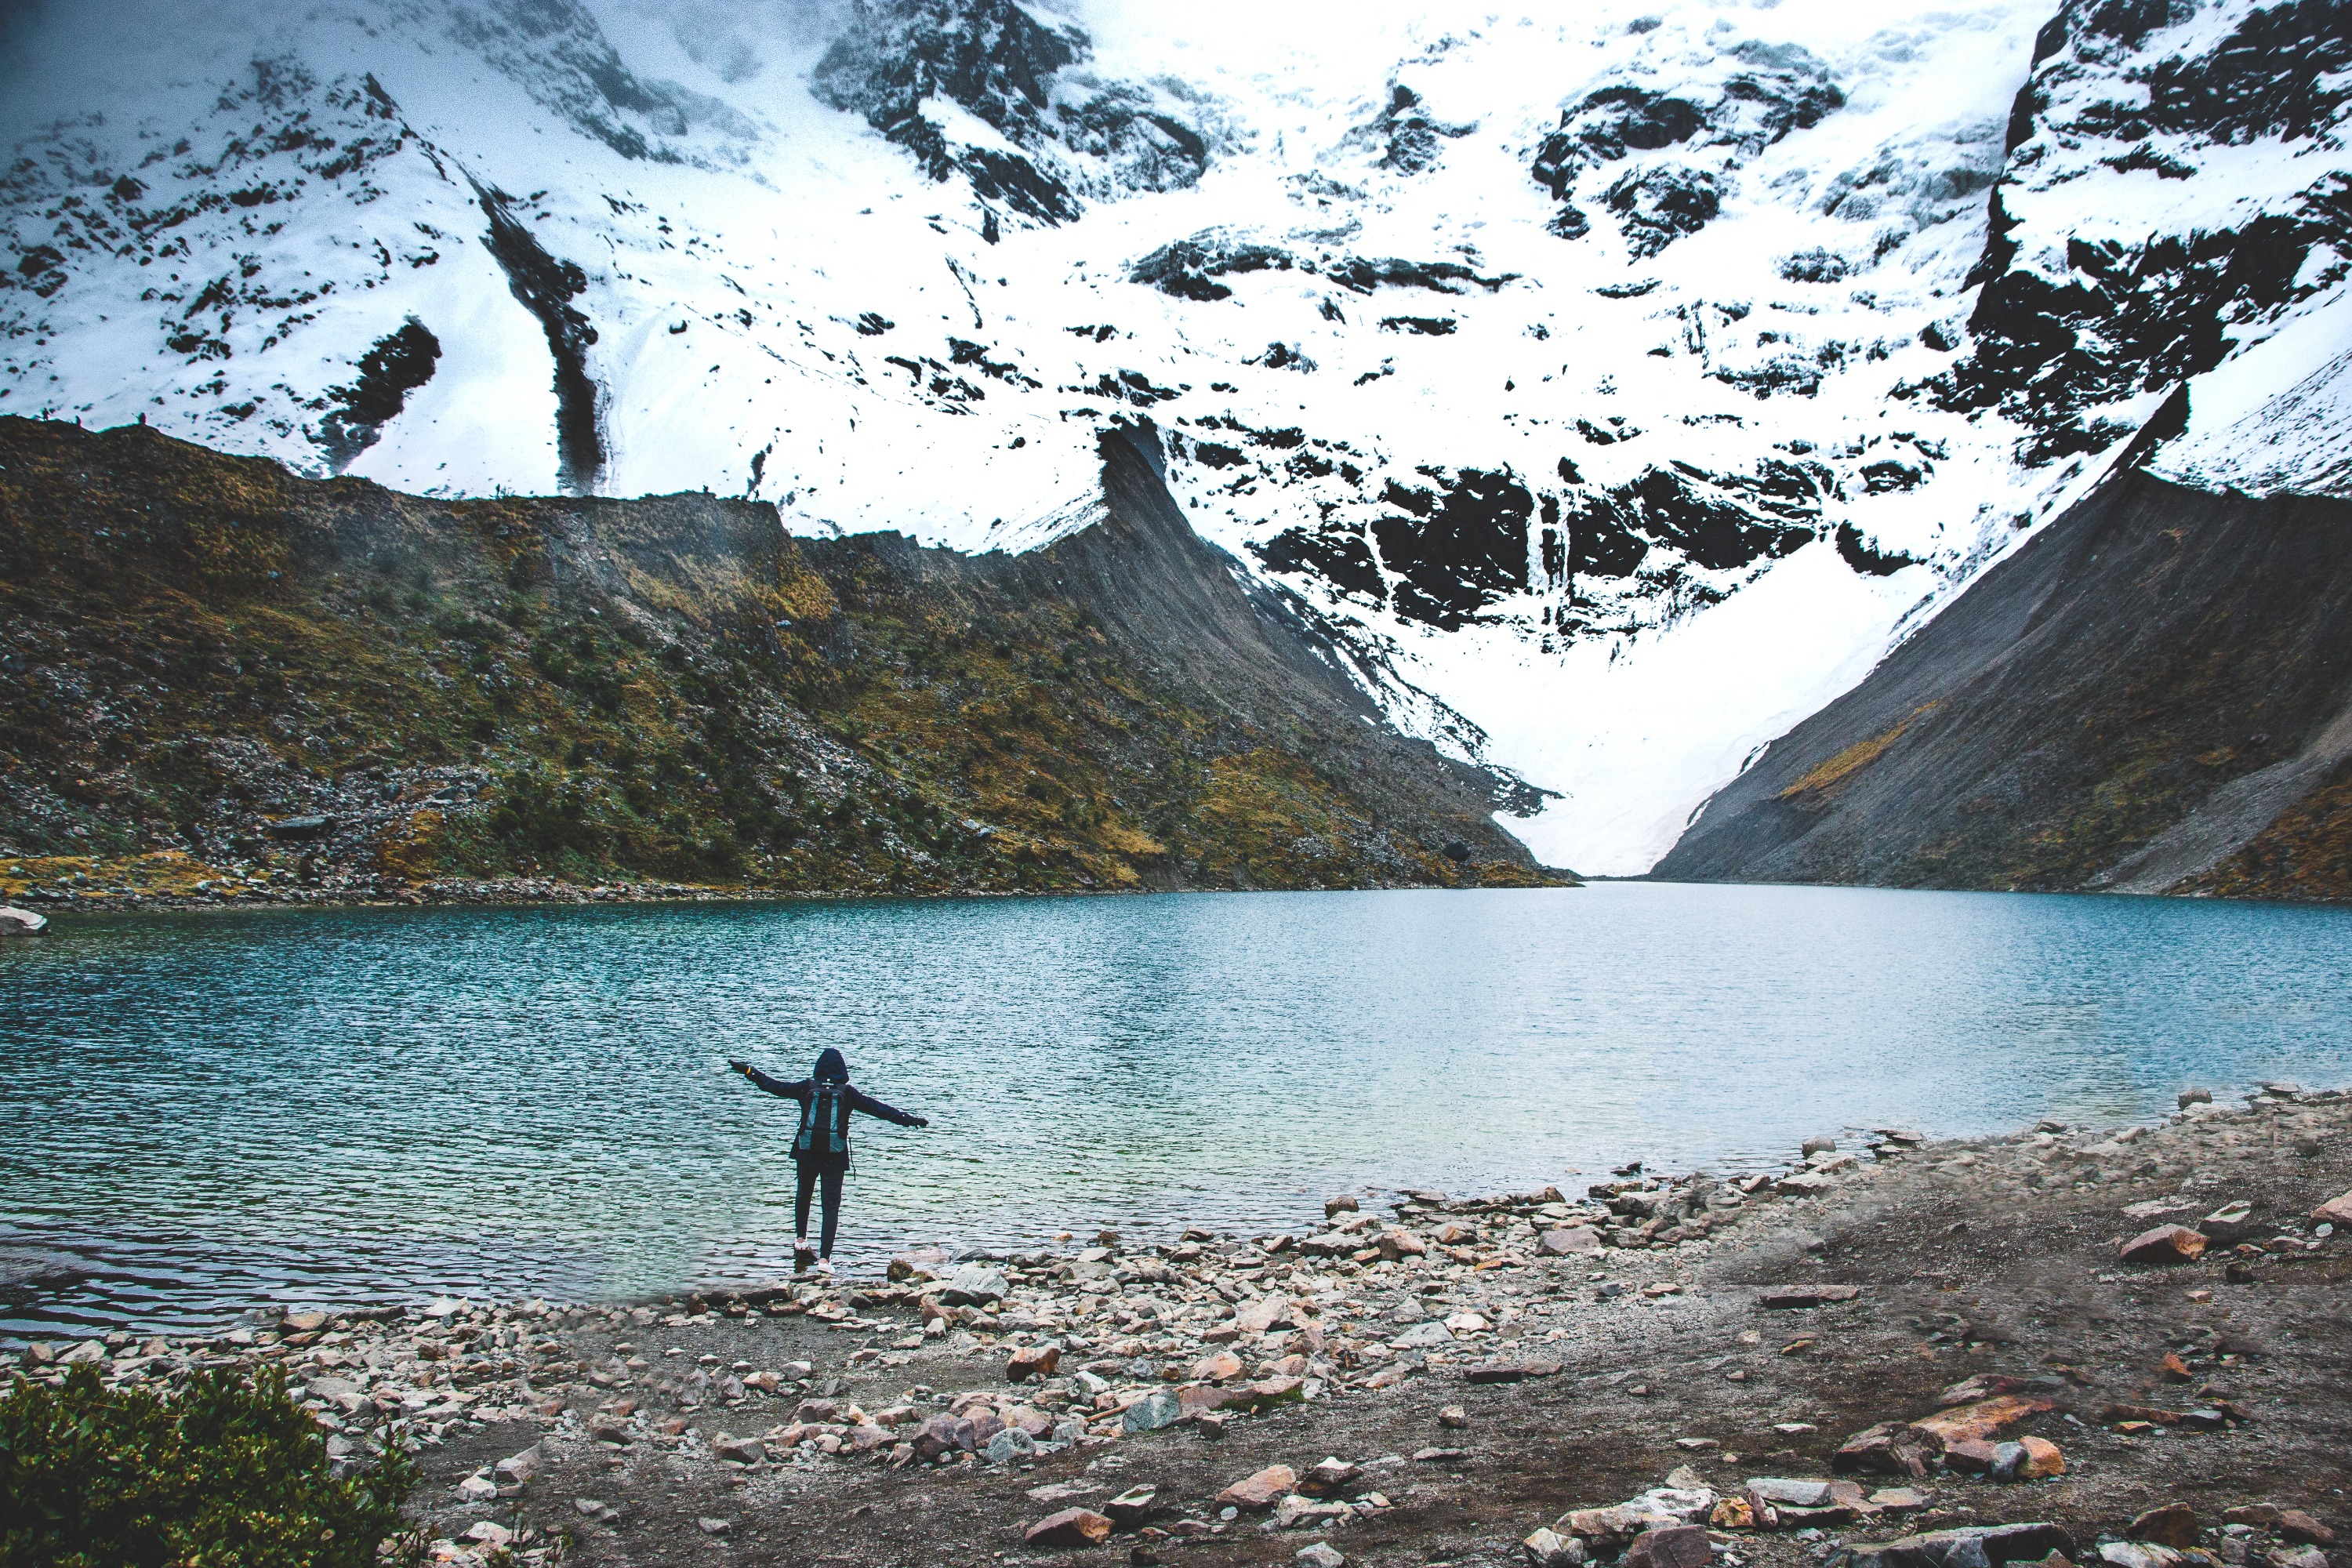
(218, 1112)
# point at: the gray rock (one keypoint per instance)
(15, 922)
(1548, 1549)
(741, 1450)
(1322, 1554)
(972, 1284)
(2139, 1554)
(1009, 1445)
(1423, 1337)
(2190, 1097)
(1568, 1241)
(1156, 1409)
(293, 829)
(1982, 1546)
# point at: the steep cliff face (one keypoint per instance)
(2153, 695)
(217, 670)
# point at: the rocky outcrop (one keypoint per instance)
(2149, 696)
(1764, 91)
(1067, 135)
(2094, 290)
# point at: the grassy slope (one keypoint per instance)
(597, 692)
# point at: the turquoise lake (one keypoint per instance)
(210, 1113)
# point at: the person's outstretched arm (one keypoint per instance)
(861, 1100)
(799, 1091)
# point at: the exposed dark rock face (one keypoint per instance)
(1413, 138)
(1769, 89)
(1188, 268)
(1335, 551)
(546, 287)
(997, 60)
(397, 366)
(557, 53)
(2153, 694)
(1365, 273)
(1659, 204)
(2052, 342)
(1464, 543)
(1860, 554)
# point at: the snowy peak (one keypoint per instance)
(1032, 134)
(1723, 108)
(1614, 388)
(2175, 188)
(556, 51)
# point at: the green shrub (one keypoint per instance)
(225, 1474)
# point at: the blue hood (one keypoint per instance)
(830, 1064)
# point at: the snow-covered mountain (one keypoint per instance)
(1618, 386)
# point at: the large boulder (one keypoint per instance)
(15, 922)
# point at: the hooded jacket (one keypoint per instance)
(813, 1141)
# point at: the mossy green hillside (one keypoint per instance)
(204, 652)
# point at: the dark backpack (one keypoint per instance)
(824, 1121)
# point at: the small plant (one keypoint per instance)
(225, 1474)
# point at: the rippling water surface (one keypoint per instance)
(208, 1113)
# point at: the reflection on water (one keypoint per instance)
(205, 1113)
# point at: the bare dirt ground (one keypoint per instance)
(2219, 1383)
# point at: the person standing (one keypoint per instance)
(821, 1145)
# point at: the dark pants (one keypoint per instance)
(830, 1170)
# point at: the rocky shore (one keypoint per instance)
(2122, 1345)
(171, 881)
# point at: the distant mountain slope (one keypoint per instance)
(1615, 384)
(2153, 695)
(216, 670)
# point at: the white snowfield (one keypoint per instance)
(217, 212)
